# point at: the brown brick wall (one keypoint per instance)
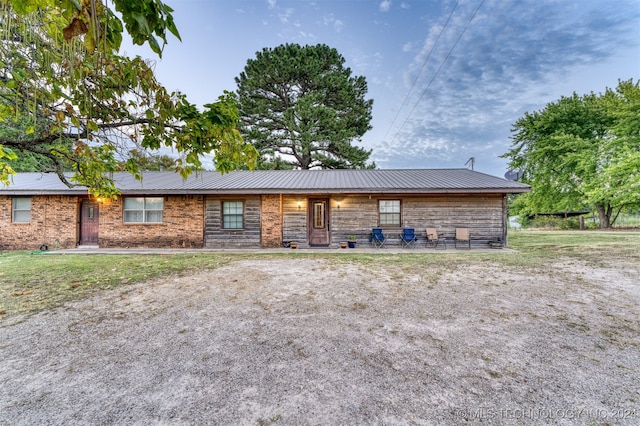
(53, 223)
(271, 221)
(182, 225)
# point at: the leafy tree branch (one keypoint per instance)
(66, 95)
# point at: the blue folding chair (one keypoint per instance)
(408, 238)
(377, 238)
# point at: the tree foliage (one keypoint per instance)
(581, 152)
(301, 108)
(68, 97)
(153, 162)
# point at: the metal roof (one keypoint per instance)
(417, 181)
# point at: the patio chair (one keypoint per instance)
(408, 238)
(377, 238)
(434, 240)
(462, 237)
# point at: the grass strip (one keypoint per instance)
(31, 282)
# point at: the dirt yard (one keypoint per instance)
(311, 341)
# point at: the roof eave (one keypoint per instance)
(25, 192)
(278, 191)
(273, 191)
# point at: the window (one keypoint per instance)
(389, 211)
(21, 210)
(143, 209)
(232, 215)
(318, 214)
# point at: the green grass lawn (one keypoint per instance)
(33, 282)
(593, 246)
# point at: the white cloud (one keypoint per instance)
(407, 47)
(331, 21)
(385, 5)
(271, 3)
(306, 35)
(364, 63)
(284, 16)
(510, 60)
(405, 5)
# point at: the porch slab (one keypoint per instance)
(319, 250)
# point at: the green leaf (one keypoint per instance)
(153, 43)
(142, 23)
(76, 3)
(171, 26)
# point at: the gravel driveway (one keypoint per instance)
(310, 341)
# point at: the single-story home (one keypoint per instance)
(253, 209)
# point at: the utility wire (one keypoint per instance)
(440, 68)
(404, 101)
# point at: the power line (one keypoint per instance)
(440, 67)
(404, 101)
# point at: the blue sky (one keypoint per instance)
(448, 78)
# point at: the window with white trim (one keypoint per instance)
(143, 209)
(21, 210)
(389, 212)
(232, 215)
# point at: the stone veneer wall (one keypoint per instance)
(182, 225)
(271, 221)
(53, 223)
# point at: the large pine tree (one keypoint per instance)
(301, 108)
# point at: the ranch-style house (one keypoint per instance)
(254, 209)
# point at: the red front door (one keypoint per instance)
(89, 222)
(319, 222)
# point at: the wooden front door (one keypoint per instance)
(89, 215)
(319, 222)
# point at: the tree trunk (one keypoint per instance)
(604, 214)
(305, 159)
